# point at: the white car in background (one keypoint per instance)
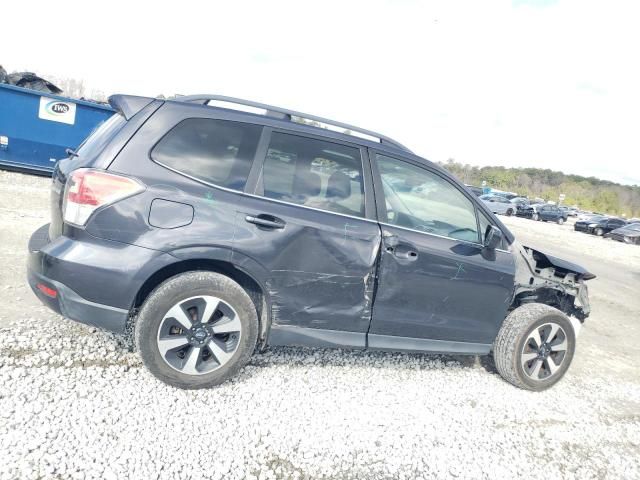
(498, 204)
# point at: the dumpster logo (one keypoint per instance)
(57, 111)
(57, 108)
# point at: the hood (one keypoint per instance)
(545, 260)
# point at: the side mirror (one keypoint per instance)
(492, 237)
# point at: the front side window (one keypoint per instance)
(215, 151)
(314, 173)
(422, 200)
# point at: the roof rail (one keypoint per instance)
(286, 114)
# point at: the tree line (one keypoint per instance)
(588, 193)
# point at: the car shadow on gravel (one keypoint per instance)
(300, 356)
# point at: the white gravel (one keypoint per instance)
(75, 404)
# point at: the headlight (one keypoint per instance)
(593, 225)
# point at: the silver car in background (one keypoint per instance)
(498, 204)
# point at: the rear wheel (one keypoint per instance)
(535, 217)
(534, 347)
(560, 221)
(196, 330)
(509, 212)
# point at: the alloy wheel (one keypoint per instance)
(199, 335)
(544, 351)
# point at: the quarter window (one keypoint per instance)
(314, 173)
(422, 200)
(215, 151)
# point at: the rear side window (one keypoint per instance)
(314, 173)
(101, 136)
(215, 151)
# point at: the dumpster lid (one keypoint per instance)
(128, 105)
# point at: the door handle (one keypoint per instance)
(410, 255)
(261, 221)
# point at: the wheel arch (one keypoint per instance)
(254, 285)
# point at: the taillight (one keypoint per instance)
(87, 190)
(50, 292)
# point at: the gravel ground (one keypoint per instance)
(75, 404)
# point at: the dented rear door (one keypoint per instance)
(312, 227)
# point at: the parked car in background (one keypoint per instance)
(628, 234)
(520, 202)
(601, 226)
(498, 204)
(543, 212)
(570, 211)
(584, 220)
(584, 216)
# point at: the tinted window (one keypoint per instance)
(314, 173)
(216, 151)
(101, 135)
(421, 200)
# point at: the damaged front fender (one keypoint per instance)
(550, 280)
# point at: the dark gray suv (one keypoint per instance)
(211, 232)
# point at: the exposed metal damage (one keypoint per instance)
(545, 279)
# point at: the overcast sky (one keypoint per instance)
(544, 83)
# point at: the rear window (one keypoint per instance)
(215, 151)
(101, 136)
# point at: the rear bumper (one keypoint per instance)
(90, 280)
(70, 305)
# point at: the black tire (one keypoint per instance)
(172, 292)
(560, 221)
(509, 346)
(599, 232)
(535, 217)
(509, 212)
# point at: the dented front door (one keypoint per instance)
(438, 288)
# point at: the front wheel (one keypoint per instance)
(534, 347)
(560, 221)
(599, 232)
(535, 217)
(509, 212)
(196, 330)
